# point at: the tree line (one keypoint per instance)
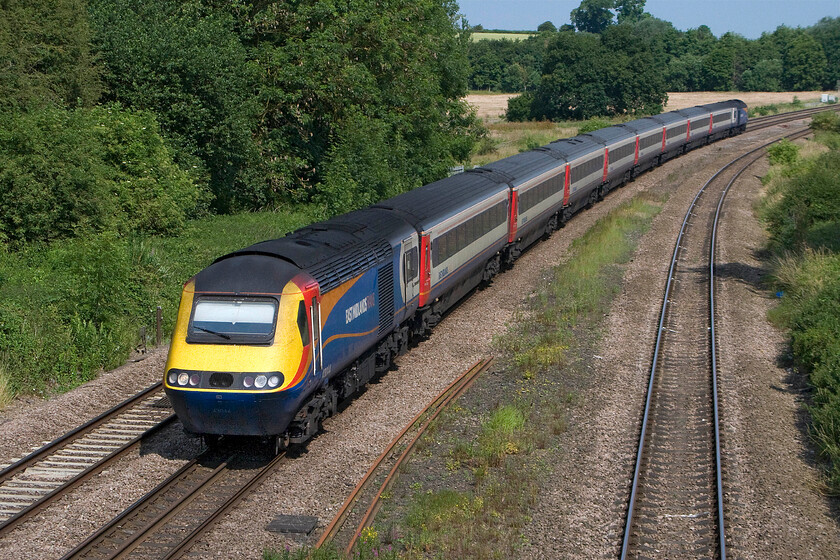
(136, 115)
(620, 39)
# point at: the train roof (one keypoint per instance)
(431, 204)
(246, 274)
(572, 148)
(692, 112)
(527, 165)
(729, 104)
(610, 134)
(640, 126)
(668, 118)
(335, 250)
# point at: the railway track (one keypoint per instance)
(383, 472)
(676, 503)
(33, 482)
(772, 120)
(165, 522)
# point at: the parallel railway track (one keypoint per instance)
(772, 120)
(676, 504)
(33, 482)
(164, 523)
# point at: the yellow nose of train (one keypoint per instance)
(239, 358)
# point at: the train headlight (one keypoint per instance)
(260, 381)
(248, 382)
(194, 379)
(274, 381)
(173, 377)
(183, 379)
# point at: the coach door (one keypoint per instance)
(410, 269)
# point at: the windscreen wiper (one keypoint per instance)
(226, 337)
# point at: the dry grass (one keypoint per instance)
(491, 107)
(491, 36)
(507, 139)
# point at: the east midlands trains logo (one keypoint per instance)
(358, 309)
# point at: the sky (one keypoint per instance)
(746, 17)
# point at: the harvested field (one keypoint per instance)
(491, 106)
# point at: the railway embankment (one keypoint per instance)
(802, 214)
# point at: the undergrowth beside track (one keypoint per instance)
(802, 212)
(468, 489)
(73, 307)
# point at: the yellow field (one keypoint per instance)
(486, 36)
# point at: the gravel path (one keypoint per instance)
(575, 518)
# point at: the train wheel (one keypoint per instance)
(211, 440)
(281, 443)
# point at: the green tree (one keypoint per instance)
(804, 64)
(630, 10)
(698, 42)
(685, 73)
(593, 16)
(398, 65)
(827, 33)
(719, 66)
(67, 173)
(519, 108)
(634, 81)
(187, 65)
(45, 54)
(546, 27)
(574, 82)
(766, 75)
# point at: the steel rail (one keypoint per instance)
(52, 449)
(179, 550)
(453, 390)
(392, 474)
(772, 120)
(657, 346)
(116, 520)
(88, 426)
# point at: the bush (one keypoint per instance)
(66, 173)
(783, 152)
(828, 121)
(811, 309)
(808, 213)
(592, 125)
(519, 108)
(76, 306)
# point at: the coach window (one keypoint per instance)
(411, 268)
(451, 243)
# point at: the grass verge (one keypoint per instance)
(802, 213)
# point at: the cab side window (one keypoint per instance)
(302, 326)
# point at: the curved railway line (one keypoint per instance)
(676, 503)
(212, 483)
